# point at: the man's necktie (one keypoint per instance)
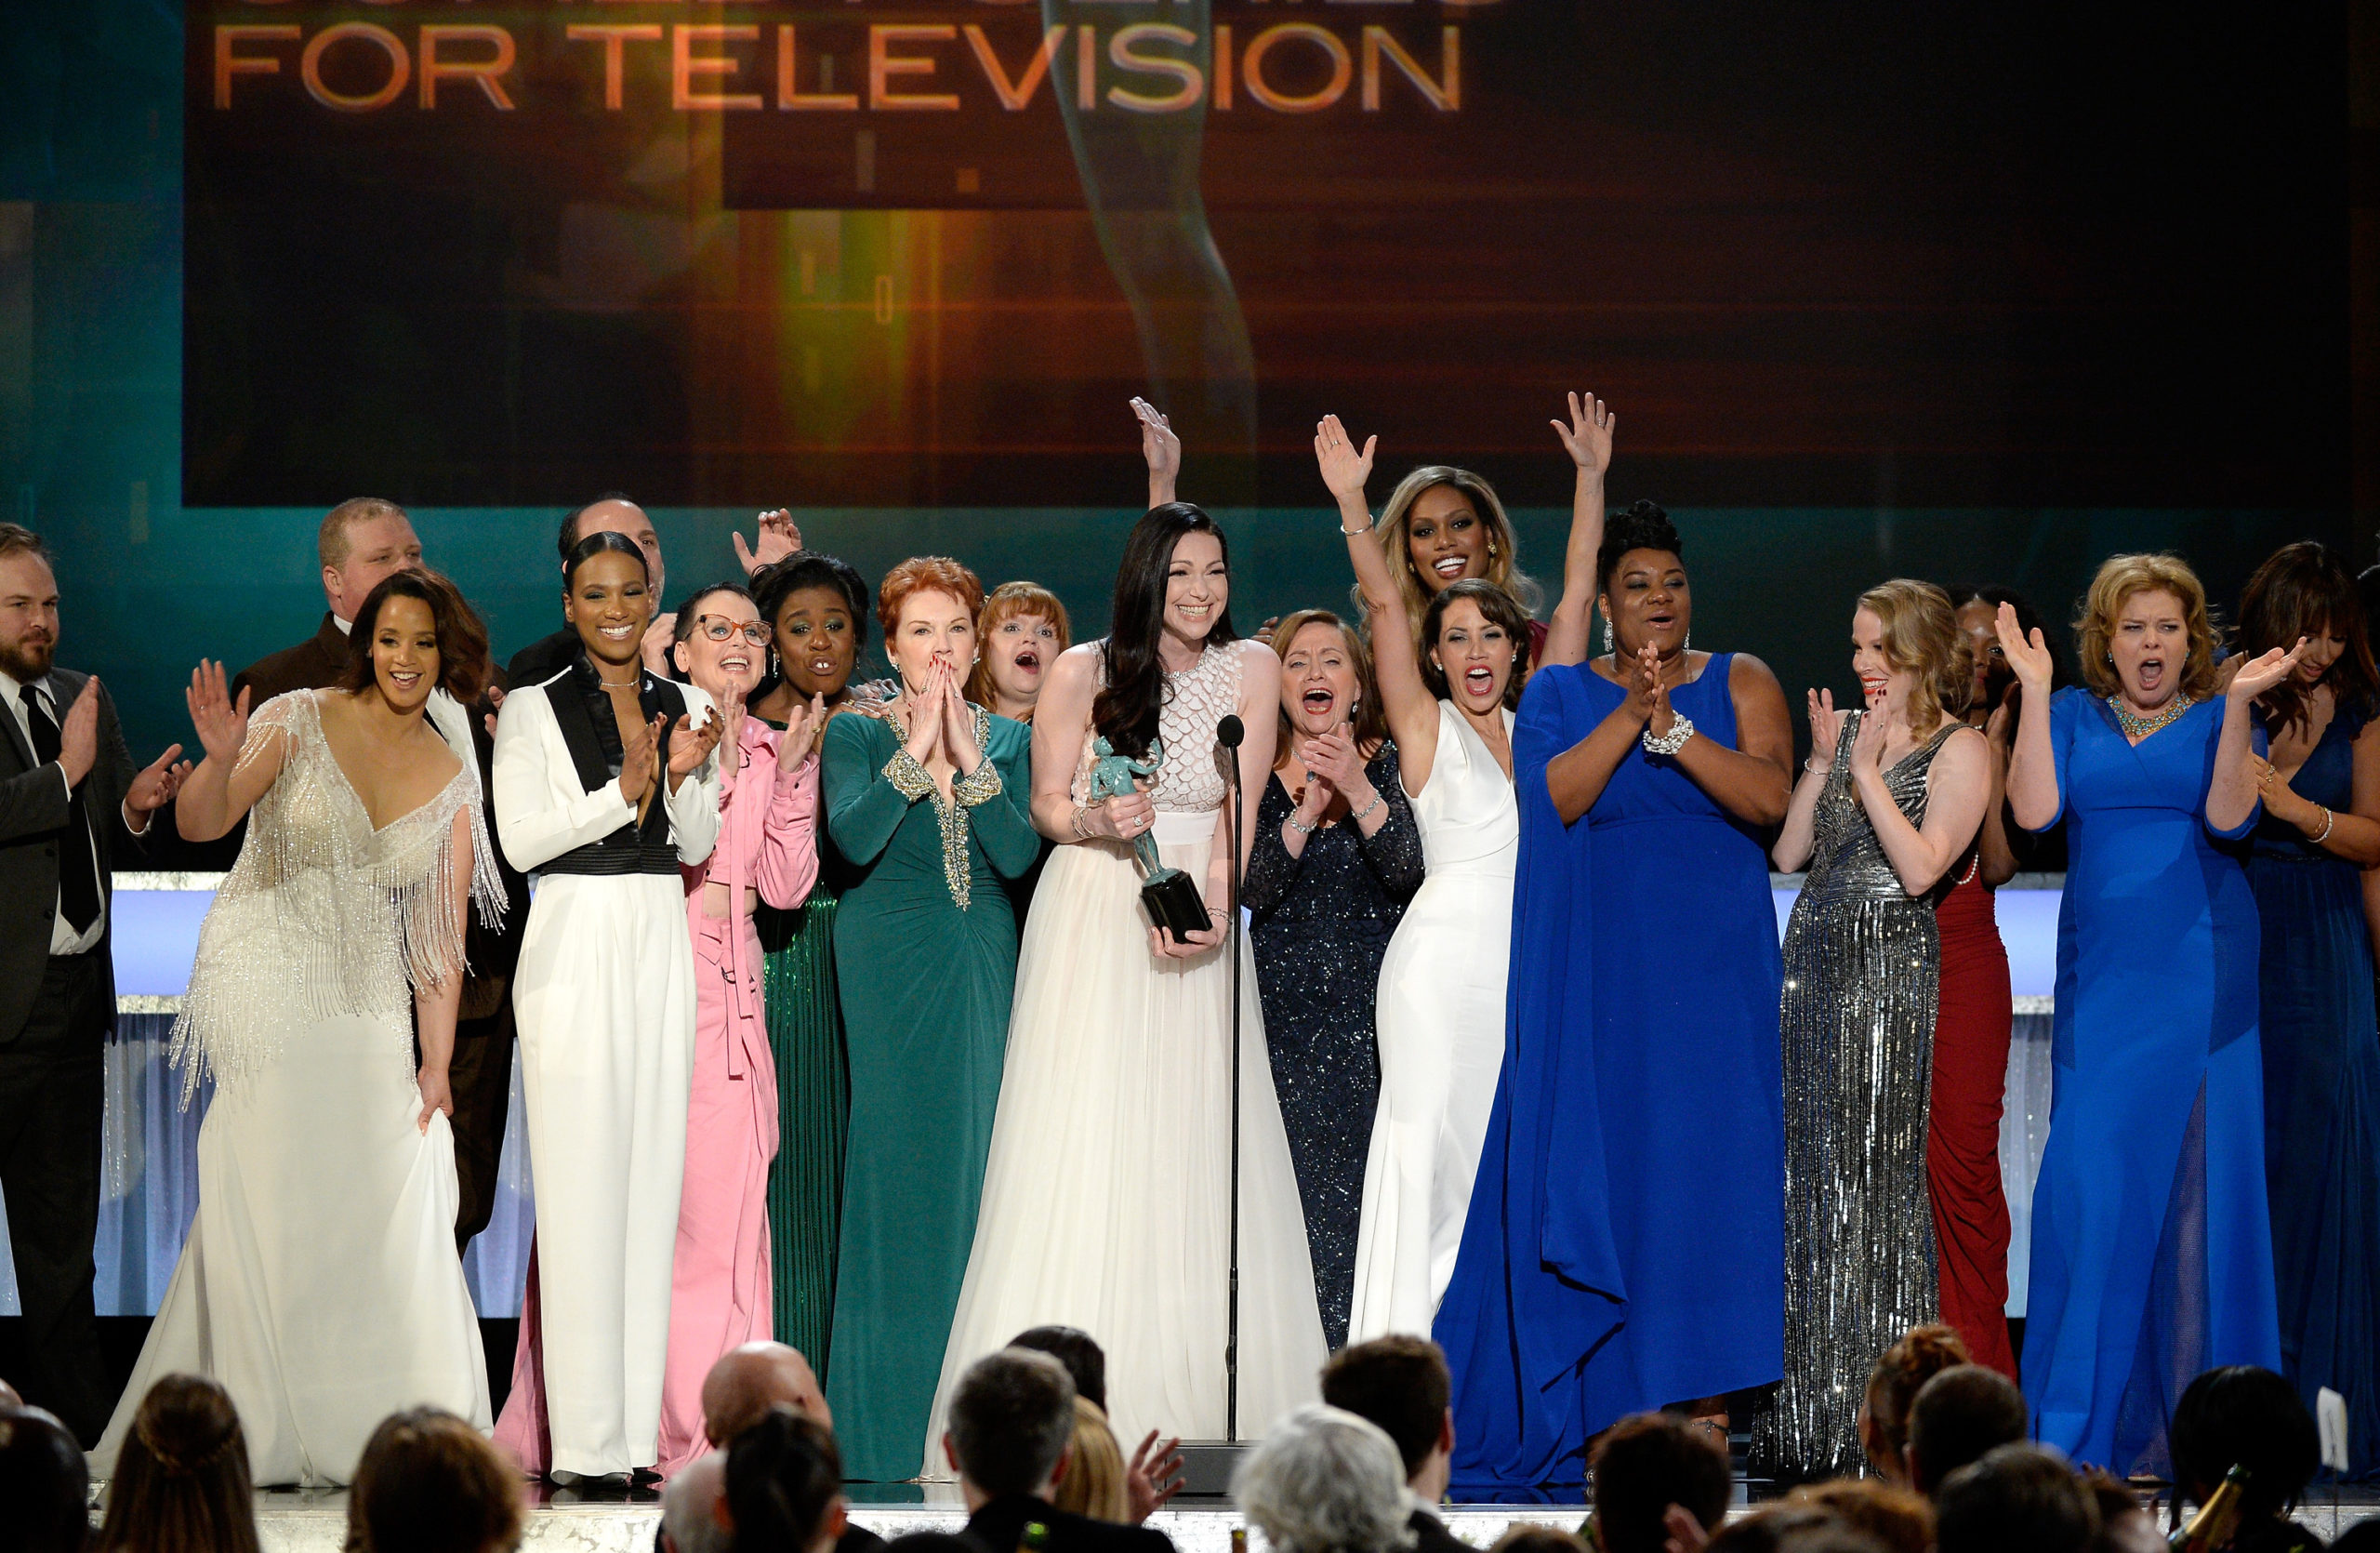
(78, 875)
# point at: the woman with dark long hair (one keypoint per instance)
(1106, 1204)
(181, 1483)
(2320, 828)
(318, 1282)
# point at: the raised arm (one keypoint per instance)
(231, 778)
(1958, 785)
(1588, 441)
(1162, 449)
(2033, 795)
(1795, 839)
(2231, 793)
(1396, 658)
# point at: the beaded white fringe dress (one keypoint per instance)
(319, 1284)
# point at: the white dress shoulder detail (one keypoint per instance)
(1441, 1032)
(1106, 1199)
(319, 1284)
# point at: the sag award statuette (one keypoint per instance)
(1169, 895)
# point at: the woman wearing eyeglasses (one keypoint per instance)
(721, 1296)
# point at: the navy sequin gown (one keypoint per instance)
(2321, 1067)
(1319, 923)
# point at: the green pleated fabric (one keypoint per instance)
(813, 1111)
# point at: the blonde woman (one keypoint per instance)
(1890, 797)
(2152, 1248)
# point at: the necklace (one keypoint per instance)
(2136, 727)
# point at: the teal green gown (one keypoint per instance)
(925, 953)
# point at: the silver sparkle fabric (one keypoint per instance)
(1863, 962)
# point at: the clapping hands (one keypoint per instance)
(1826, 731)
(803, 727)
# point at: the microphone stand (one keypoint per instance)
(1228, 734)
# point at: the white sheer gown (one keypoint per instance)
(1441, 1030)
(319, 1284)
(1107, 1201)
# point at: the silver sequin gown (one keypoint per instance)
(1856, 1022)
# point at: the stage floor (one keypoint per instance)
(317, 1522)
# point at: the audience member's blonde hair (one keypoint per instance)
(1922, 638)
(2119, 577)
(1899, 1517)
(1094, 1485)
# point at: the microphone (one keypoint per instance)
(1229, 732)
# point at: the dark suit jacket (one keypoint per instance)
(314, 664)
(1432, 1536)
(999, 1527)
(33, 827)
(545, 658)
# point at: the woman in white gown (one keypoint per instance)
(1440, 1020)
(1106, 1203)
(318, 1285)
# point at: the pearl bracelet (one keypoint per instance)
(1680, 729)
(2329, 819)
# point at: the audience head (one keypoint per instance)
(1909, 652)
(181, 1478)
(1641, 584)
(1898, 1518)
(1401, 1384)
(2016, 1496)
(816, 608)
(927, 606)
(607, 597)
(1529, 1538)
(1922, 1353)
(1961, 1412)
(1174, 582)
(785, 1481)
(361, 542)
(2125, 1526)
(1978, 622)
(2243, 1415)
(1474, 646)
(1442, 525)
(692, 1518)
(2144, 631)
(1792, 1528)
(9, 1400)
(1085, 1360)
(2306, 590)
(1012, 1419)
(418, 633)
(1093, 1485)
(721, 644)
(428, 1482)
(1327, 679)
(613, 512)
(1022, 631)
(1644, 1464)
(28, 605)
(1325, 1481)
(44, 1483)
(748, 1381)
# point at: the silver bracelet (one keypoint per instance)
(1368, 808)
(1680, 729)
(1302, 829)
(1813, 770)
(1082, 812)
(2329, 819)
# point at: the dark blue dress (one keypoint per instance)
(1625, 1247)
(2152, 1251)
(2323, 1101)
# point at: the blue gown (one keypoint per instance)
(2322, 1076)
(2152, 1251)
(1585, 1287)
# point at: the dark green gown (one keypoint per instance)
(925, 953)
(805, 1021)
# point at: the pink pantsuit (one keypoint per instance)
(719, 1292)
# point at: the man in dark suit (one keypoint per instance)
(1401, 1384)
(1011, 1433)
(362, 542)
(69, 802)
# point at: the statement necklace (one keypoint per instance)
(2137, 728)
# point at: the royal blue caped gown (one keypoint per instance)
(1642, 1010)
(2152, 1250)
(2322, 1054)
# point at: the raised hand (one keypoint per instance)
(1826, 729)
(925, 719)
(1868, 743)
(158, 781)
(1645, 696)
(1334, 758)
(638, 761)
(688, 749)
(1343, 470)
(221, 724)
(958, 725)
(1153, 1477)
(804, 726)
(730, 728)
(1160, 448)
(777, 538)
(2029, 661)
(1588, 437)
(78, 737)
(2263, 672)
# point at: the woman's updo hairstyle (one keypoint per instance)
(1500, 609)
(1638, 526)
(182, 1480)
(1922, 638)
(597, 544)
(1901, 1372)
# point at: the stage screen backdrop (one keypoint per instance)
(1974, 292)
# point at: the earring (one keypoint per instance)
(1491, 549)
(1607, 633)
(1689, 640)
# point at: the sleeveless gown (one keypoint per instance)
(1971, 1035)
(1441, 1020)
(319, 1284)
(1863, 962)
(2152, 1244)
(2322, 1072)
(1107, 1204)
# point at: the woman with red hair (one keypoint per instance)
(928, 805)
